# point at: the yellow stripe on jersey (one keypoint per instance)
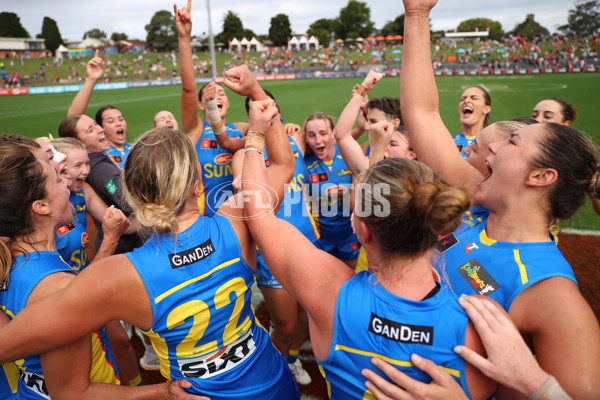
(12, 375)
(202, 198)
(7, 311)
(326, 381)
(169, 292)
(471, 218)
(400, 363)
(311, 166)
(522, 268)
(483, 238)
(102, 370)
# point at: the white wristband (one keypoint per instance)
(214, 118)
(550, 390)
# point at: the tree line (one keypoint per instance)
(353, 21)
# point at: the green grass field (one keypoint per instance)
(512, 96)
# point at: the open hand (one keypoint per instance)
(175, 390)
(442, 386)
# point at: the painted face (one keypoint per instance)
(548, 111)
(509, 163)
(472, 109)
(320, 139)
(91, 135)
(165, 119)
(398, 147)
(57, 195)
(478, 150)
(115, 127)
(78, 167)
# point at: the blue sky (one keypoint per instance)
(130, 16)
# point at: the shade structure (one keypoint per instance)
(398, 37)
(359, 39)
(370, 39)
(389, 37)
(339, 41)
(379, 38)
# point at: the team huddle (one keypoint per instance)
(419, 265)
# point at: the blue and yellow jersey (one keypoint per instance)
(28, 270)
(9, 380)
(73, 239)
(329, 190)
(476, 264)
(371, 322)
(462, 142)
(119, 155)
(217, 174)
(294, 207)
(204, 329)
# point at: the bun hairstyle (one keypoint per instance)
(421, 206)
(22, 182)
(160, 174)
(575, 157)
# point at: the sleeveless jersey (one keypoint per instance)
(204, 328)
(28, 270)
(73, 239)
(476, 264)
(462, 142)
(329, 195)
(216, 170)
(119, 155)
(371, 322)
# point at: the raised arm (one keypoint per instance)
(114, 224)
(351, 151)
(380, 135)
(294, 261)
(191, 123)
(428, 135)
(97, 207)
(95, 71)
(218, 126)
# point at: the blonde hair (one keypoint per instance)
(67, 143)
(506, 128)
(319, 115)
(421, 206)
(160, 174)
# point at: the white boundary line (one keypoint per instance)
(486, 89)
(583, 232)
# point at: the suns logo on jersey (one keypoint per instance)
(223, 159)
(85, 239)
